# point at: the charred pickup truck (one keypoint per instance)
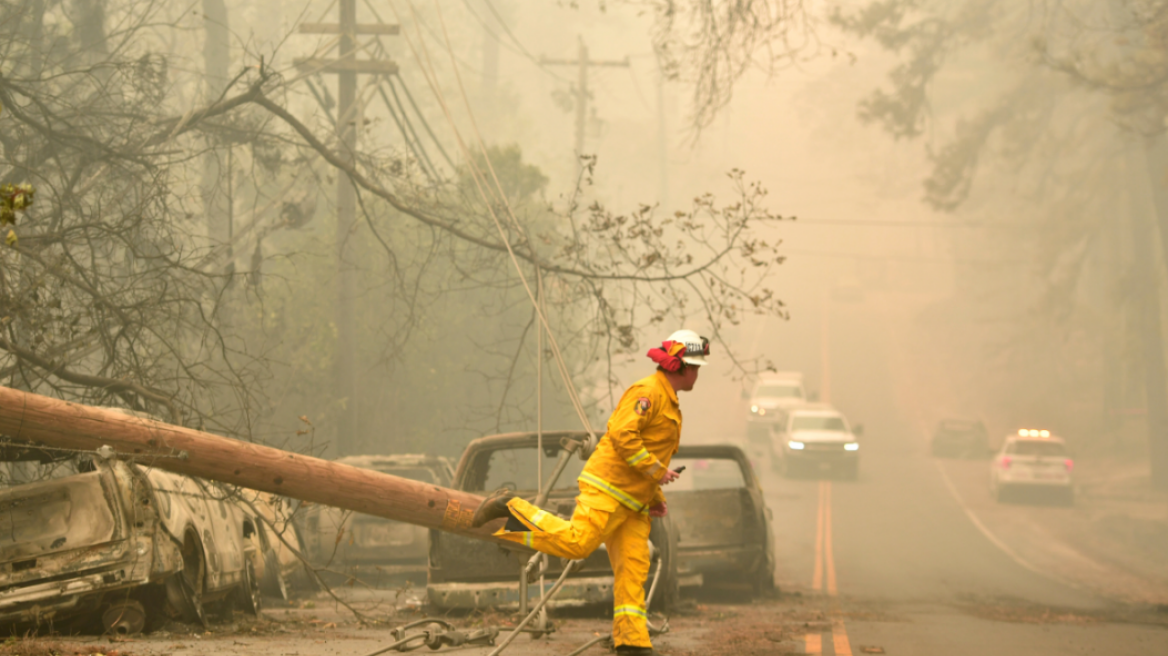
(356, 544)
(718, 527)
(96, 537)
(466, 573)
(722, 522)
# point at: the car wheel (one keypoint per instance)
(1000, 493)
(663, 535)
(191, 579)
(124, 617)
(273, 584)
(1068, 497)
(762, 581)
(935, 450)
(249, 590)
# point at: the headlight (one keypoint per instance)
(754, 408)
(852, 446)
(761, 411)
(795, 445)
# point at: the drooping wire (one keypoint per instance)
(425, 123)
(322, 100)
(414, 146)
(518, 48)
(409, 125)
(481, 184)
(383, 52)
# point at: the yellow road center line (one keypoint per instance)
(839, 638)
(825, 562)
(817, 576)
(828, 554)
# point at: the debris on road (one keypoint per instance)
(15, 646)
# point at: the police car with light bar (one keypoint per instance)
(1036, 461)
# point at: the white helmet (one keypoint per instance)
(696, 347)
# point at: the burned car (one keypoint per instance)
(467, 574)
(91, 538)
(723, 524)
(359, 545)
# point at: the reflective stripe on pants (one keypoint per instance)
(623, 531)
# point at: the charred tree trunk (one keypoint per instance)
(39, 419)
(216, 211)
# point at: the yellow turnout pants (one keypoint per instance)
(598, 518)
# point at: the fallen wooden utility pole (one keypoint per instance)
(54, 423)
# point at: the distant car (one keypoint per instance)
(815, 439)
(723, 524)
(365, 545)
(92, 539)
(966, 438)
(1035, 461)
(772, 393)
(466, 574)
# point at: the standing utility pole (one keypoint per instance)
(346, 67)
(582, 62)
(662, 141)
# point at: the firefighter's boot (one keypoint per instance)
(627, 650)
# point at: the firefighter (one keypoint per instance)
(620, 488)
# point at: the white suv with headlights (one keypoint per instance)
(773, 393)
(1033, 460)
(816, 438)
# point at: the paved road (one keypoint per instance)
(895, 558)
(891, 560)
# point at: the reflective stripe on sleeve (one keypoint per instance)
(614, 492)
(538, 517)
(638, 457)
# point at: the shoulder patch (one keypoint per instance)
(641, 407)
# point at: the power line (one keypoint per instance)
(414, 144)
(909, 224)
(522, 51)
(907, 258)
(425, 123)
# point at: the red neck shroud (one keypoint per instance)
(668, 357)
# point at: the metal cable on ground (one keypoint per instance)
(449, 636)
(446, 636)
(571, 567)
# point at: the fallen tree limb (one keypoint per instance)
(47, 421)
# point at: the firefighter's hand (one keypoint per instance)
(658, 510)
(668, 477)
